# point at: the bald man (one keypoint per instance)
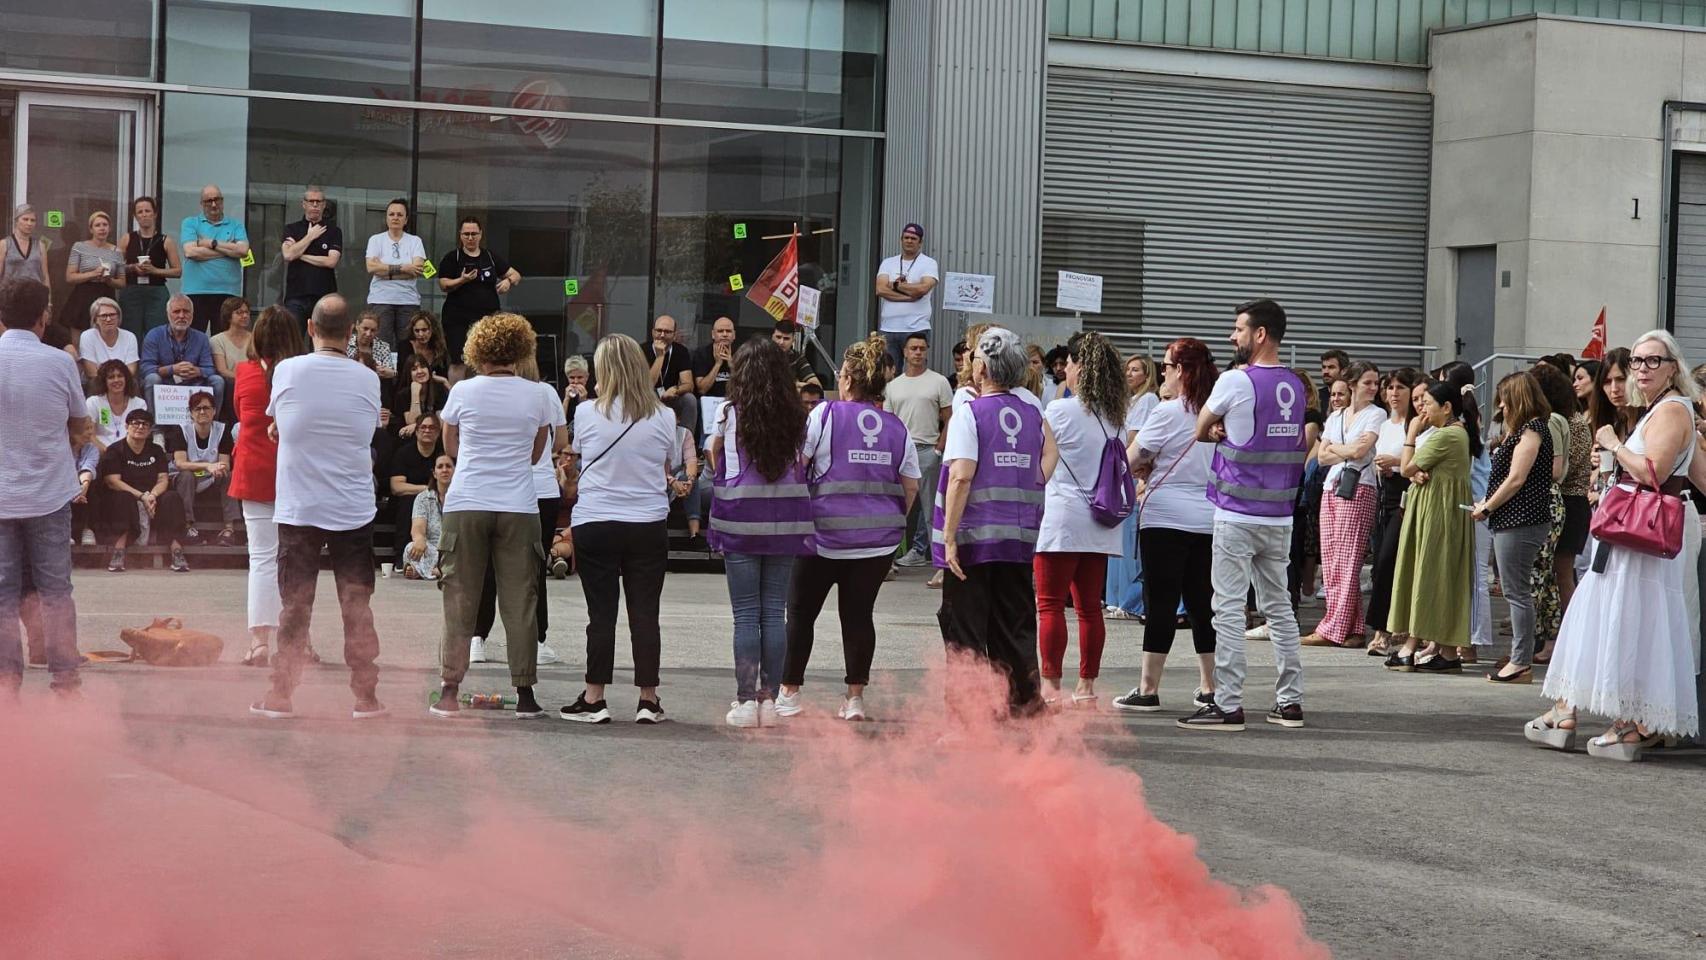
(214, 247)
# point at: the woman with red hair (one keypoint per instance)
(1176, 534)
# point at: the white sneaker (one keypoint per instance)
(547, 655)
(852, 709)
(742, 713)
(88, 538)
(477, 650)
(1257, 632)
(767, 714)
(789, 705)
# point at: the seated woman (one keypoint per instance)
(426, 340)
(132, 501)
(420, 557)
(366, 346)
(418, 392)
(201, 460)
(119, 395)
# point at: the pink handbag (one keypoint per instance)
(1646, 518)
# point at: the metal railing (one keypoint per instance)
(1487, 372)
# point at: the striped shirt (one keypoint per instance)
(39, 392)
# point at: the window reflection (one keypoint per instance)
(357, 48)
(106, 38)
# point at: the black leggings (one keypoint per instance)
(622, 561)
(1177, 562)
(858, 582)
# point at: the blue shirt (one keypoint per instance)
(40, 391)
(160, 350)
(222, 274)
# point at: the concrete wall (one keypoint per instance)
(1547, 133)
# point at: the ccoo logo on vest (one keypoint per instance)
(870, 424)
(1011, 424)
(1285, 394)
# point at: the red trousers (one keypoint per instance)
(1085, 574)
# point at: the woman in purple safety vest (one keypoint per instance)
(863, 473)
(761, 517)
(989, 506)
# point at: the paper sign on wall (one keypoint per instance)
(740, 231)
(970, 292)
(55, 218)
(806, 311)
(172, 403)
(736, 283)
(428, 271)
(571, 287)
(1078, 292)
(248, 259)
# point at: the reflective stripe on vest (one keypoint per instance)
(763, 491)
(990, 532)
(1229, 452)
(761, 528)
(892, 522)
(1254, 493)
(860, 487)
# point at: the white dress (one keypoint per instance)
(1625, 648)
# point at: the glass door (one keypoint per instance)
(74, 155)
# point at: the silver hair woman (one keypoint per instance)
(1629, 646)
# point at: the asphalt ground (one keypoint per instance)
(1409, 818)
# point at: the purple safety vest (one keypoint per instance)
(1260, 477)
(858, 503)
(1005, 505)
(760, 517)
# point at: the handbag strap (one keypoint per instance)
(631, 425)
(1150, 488)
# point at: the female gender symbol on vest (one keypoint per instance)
(1286, 396)
(1011, 427)
(871, 428)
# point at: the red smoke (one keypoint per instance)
(929, 837)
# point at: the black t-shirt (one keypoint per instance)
(175, 440)
(479, 296)
(303, 279)
(702, 364)
(411, 466)
(139, 470)
(677, 361)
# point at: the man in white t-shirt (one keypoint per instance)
(325, 408)
(904, 285)
(924, 401)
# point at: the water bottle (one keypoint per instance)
(478, 701)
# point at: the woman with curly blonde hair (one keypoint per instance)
(863, 473)
(627, 446)
(495, 425)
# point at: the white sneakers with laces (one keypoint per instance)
(743, 713)
(852, 709)
(477, 650)
(789, 705)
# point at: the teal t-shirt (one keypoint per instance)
(221, 275)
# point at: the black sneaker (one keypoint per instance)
(1135, 702)
(1437, 664)
(448, 703)
(116, 564)
(527, 708)
(1204, 697)
(582, 712)
(192, 535)
(1287, 715)
(1211, 717)
(179, 564)
(649, 711)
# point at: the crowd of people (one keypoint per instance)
(1187, 495)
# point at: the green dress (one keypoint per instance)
(1436, 545)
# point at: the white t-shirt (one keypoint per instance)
(1177, 495)
(545, 468)
(895, 316)
(818, 432)
(1137, 414)
(109, 423)
(965, 395)
(1366, 421)
(724, 426)
(1068, 526)
(497, 420)
(404, 292)
(918, 402)
(326, 409)
(1391, 440)
(627, 483)
(1233, 399)
(92, 348)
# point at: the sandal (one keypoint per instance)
(257, 655)
(227, 537)
(1615, 744)
(1525, 675)
(1549, 730)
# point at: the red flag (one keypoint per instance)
(1595, 350)
(777, 289)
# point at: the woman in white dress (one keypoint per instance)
(1625, 648)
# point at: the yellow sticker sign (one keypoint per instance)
(736, 283)
(248, 259)
(428, 270)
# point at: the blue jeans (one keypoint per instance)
(1125, 572)
(930, 466)
(758, 591)
(42, 546)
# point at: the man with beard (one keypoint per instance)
(1254, 416)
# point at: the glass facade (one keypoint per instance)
(1391, 31)
(628, 159)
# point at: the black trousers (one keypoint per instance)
(352, 572)
(1177, 563)
(992, 614)
(206, 306)
(617, 558)
(115, 515)
(1391, 523)
(488, 612)
(858, 582)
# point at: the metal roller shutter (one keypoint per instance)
(1315, 196)
(1688, 274)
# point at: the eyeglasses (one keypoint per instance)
(668, 330)
(315, 203)
(209, 201)
(1648, 363)
(1170, 365)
